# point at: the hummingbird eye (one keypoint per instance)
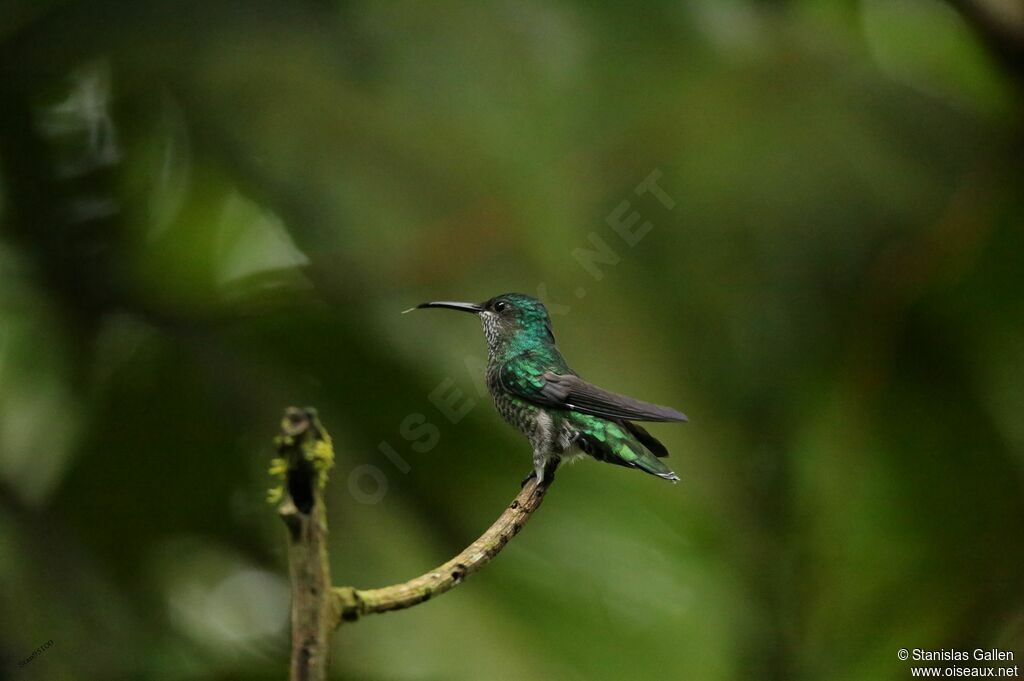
(500, 306)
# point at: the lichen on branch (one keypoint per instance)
(305, 457)
(303, 464)
(294, 448)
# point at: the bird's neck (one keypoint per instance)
(507, 347)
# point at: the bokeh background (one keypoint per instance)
(215, 209)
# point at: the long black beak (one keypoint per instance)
(464, 307)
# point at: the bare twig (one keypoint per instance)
(351, 603)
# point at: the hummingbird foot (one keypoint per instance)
(528, 478)
(544, 467)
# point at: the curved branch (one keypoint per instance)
(351, 603)
(305, 458)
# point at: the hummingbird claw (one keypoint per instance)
(544, 470)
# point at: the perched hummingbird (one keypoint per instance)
(562, 415)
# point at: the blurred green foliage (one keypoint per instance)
(214, 209)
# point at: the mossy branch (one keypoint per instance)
(305, 458)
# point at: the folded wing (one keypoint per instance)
(568, 391)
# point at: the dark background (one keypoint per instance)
(214, 209)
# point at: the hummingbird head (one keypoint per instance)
(510, 317)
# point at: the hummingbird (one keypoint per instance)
(562, 416)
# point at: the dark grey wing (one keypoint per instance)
(572, 392)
